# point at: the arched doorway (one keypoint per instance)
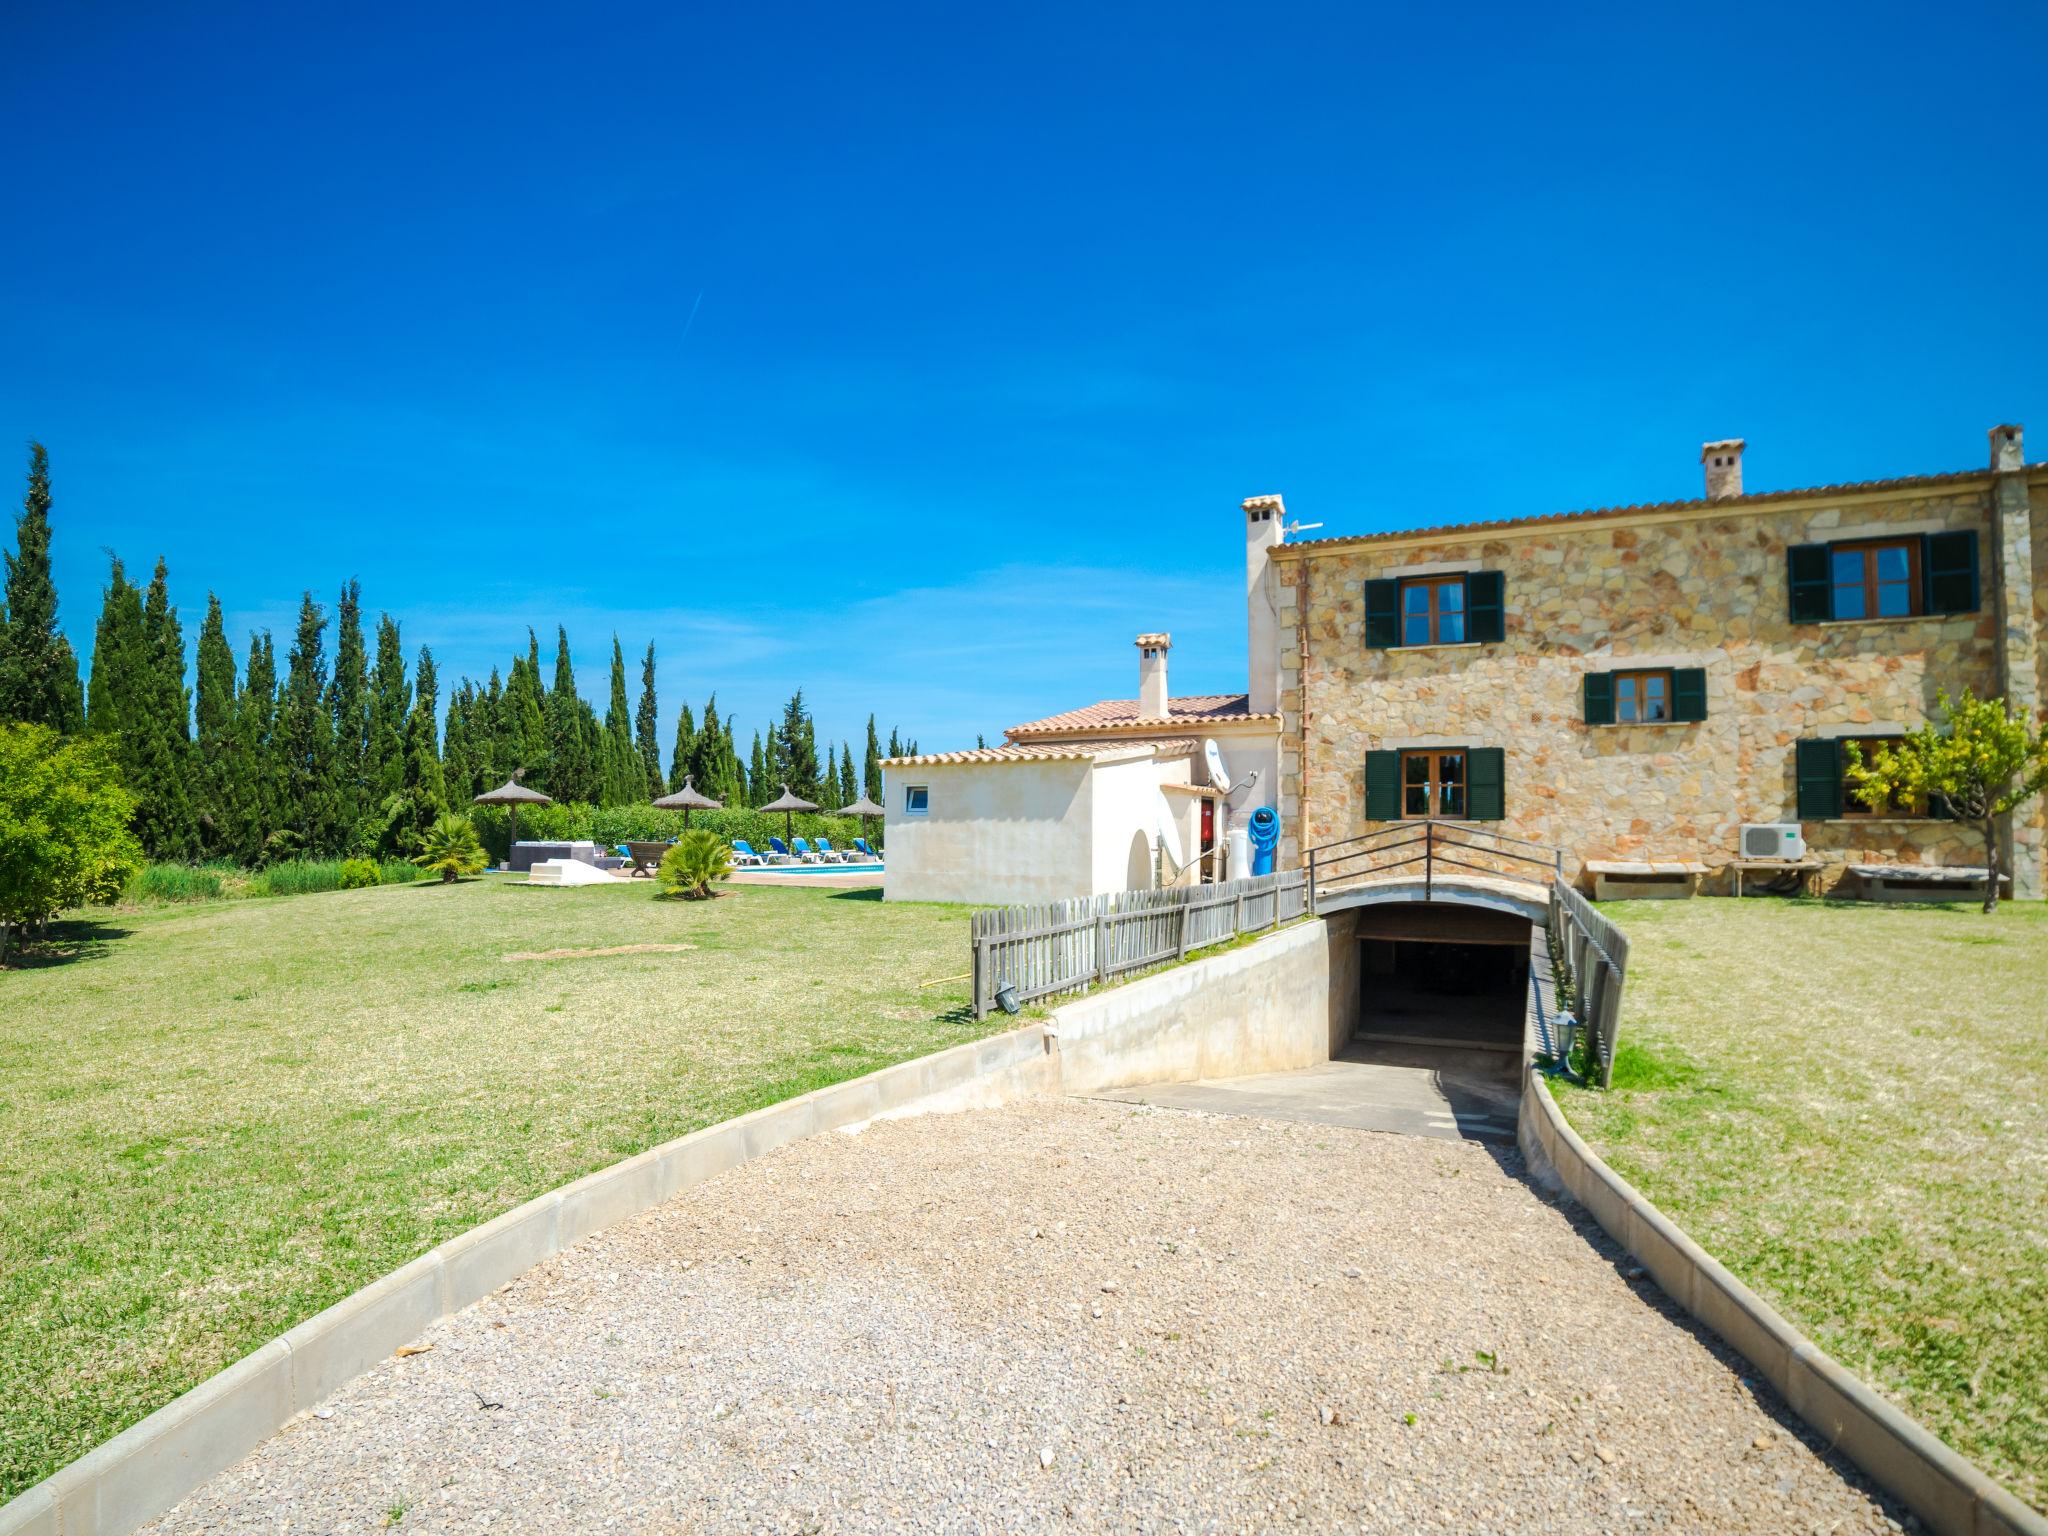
(1138, 870)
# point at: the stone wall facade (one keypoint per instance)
(1700, 585)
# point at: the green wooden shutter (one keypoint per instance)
(1818, 768)
(1382, 786)
(1599, 698)
(1688, 693)
(1486, 616)
(1949, 561)
(1806, 570)
(1382, 614)
(1485, 783)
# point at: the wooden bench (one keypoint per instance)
(1805, 871)
(1643, 880)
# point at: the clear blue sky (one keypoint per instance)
(997, 315)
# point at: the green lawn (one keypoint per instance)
(215, 1120)
(1848, 1106)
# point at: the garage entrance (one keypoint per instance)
(1442, 975)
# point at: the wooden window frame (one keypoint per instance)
(1434, 585)
(1639, 676)
(1434, 783)
(1916, 580)
(1853, 808)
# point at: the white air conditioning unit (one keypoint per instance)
(1773, 840)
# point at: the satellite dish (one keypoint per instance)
(1218, 775)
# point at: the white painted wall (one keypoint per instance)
(1129, 807)
(995, 833)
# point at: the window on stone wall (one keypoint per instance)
(1433, 611)
(1642, 697)
(1433, 784)
(1875, 580)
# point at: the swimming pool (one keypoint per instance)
(807, 869)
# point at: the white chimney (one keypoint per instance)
(1264, 530)
(1152, 694)
(1723, 463)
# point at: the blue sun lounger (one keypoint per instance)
(742, 854)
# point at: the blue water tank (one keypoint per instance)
(1265, 835)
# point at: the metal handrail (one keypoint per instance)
(1428, 833)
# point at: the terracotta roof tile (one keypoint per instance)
(1122, 714)
(1638, 509)
(1050, 751)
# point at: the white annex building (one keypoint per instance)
(1115, 796)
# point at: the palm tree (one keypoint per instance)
(688, 869)
(451, 848)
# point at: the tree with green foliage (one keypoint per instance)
(571, 773)
(38, 672)
(647, 729)
(349, 700)
(216, 764)
(849, 787)
(450, 848)
(307, 817)
(871, 765)
(160, 738)
(690, 868)
(682, 761)
(64, 827)
(458, 750)
(757, 775)
(255, 752)
(390, 707)
(622, 778)
(119, 657)
(796, 741)
(523, 721)
(425, 796)
(1981, 763)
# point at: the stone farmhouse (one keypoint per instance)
(1637, 683)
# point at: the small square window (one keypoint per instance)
(1641, 697)
(916, 799)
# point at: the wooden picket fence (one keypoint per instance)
(1593, 956)
(1068, 946)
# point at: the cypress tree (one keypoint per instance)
(523, 719)
(569, 769)
(255, 768)
(871, 765)
(683, 761)
(218, 764)
(647, 729)
(38, 673)
(624, 777)
(390, 705)
(849, 788)
(426, 790)
(895, 746)
(757, 776)
(502, 758)
(797, 740)
(165, 818)
(118, 653)
(348, 699)
(458, 751)
(734, 790)
(304, 746)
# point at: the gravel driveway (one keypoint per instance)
(1064, 1315)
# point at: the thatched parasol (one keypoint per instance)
(789, 805)
(512, 794)
(687, 800)
(864, 808)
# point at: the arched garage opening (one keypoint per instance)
(1442, 974)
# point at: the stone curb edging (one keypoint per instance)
(150, 1466)
(1953, 1495)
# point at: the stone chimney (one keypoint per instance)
(1723, 461)
(1152, 693)
(2008, 448)
(1265, 519)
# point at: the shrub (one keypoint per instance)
(64, 838)
(688, 869)
(177, 883)
(359, 873)
(451, 848)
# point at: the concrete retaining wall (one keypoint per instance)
(1951, 1494)
(1266, 1006)
(1286, 1001)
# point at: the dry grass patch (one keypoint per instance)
(217, 1119)
(1848, 1106)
